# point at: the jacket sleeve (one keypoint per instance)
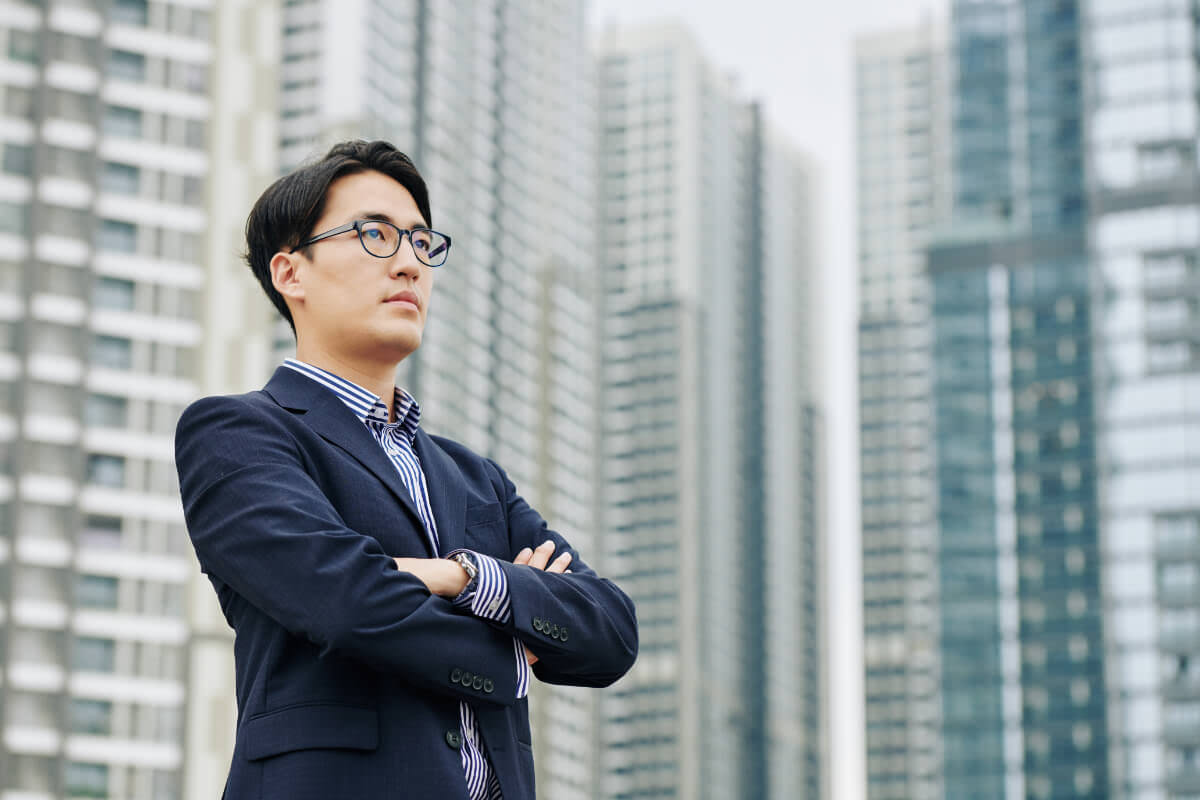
(582, 628)
(261, 525)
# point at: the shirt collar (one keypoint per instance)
(366, 405)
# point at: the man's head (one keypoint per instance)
(334, 292)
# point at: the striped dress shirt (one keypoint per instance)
(486, 596)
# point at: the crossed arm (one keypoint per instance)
(252, 505)
(447, 579)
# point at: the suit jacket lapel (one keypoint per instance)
(447, 492)
(326, 414)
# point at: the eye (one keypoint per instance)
(420, 240)
(372, 232)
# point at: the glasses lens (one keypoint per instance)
(380, 238)
(431, 247)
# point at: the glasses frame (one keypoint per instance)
(357, 226)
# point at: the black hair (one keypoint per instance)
(287, 211)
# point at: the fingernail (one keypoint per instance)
(547, 542)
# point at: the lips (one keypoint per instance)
(405, 296)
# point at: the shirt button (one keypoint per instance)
(454, 740)
(492, 606)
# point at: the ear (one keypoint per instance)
(285, 276)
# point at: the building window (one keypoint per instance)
(94, 655)
(113, 293)
(113, 352)
(130, 12)
(120, 178)
(106, 411)
(101, 532)
(91, 716)
(96, 591)
(87, 780)
(23, 45)
(106, 470)
(18, 159)
(119, 237)
(14, 218)
(126, 66)
(123, 122)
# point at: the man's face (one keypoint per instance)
(349, 302)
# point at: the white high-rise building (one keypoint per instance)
(494, 102)
(903, 191)
(710, 436)
(239, 326)
(103, 136)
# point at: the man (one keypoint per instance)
(389, 589)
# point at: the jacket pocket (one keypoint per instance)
(308, 727)
(484, 514)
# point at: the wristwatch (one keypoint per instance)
(465, 561)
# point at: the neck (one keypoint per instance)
(378, 377)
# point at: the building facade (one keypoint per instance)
(903, 188)
(710, 434)
(102, 221)
(1062, 296)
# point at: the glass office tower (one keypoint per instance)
(1063, 295)
(903, 159)
(711, 438)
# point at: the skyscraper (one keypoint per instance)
(102, 220)
(710, 433)
(1062, 303)
(494, 101)
(903, 190)
(239, 333)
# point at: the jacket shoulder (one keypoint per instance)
(226, 407)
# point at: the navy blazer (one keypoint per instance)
(349, 672)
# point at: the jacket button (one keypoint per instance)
(537, 624)
(466, 679)
(477, 683)
(554, 632)
(562, 634)
(454, 740)
(488, 686)
(455, 675)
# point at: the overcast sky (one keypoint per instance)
(796, 57)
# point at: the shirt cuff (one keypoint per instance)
(487, 595)
(522, 669)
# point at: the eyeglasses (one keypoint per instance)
(382, 239)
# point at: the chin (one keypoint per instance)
(401, 346)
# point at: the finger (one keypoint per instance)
(541, 556)
(530, 658)
(523, 556)
(560, 563)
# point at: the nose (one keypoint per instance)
(404, 261)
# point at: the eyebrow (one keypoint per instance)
(384, 217)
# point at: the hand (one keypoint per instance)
(538, 560)
(441, 576)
